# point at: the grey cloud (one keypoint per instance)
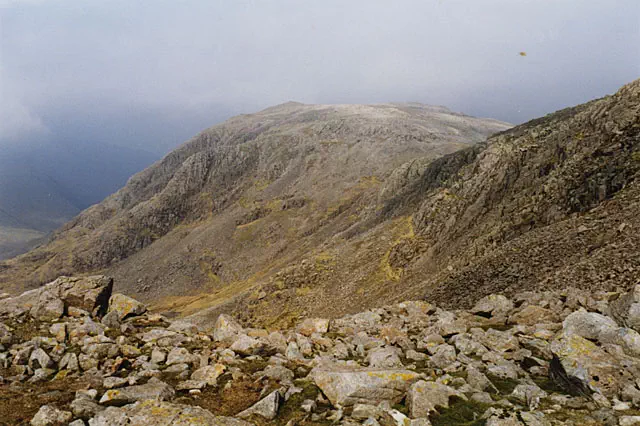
(152, 73)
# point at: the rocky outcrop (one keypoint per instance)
(407, 363)
(49, 302)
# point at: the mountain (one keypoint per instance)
(43, 187)
(304, 210)
(251, 197)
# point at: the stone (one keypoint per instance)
(590, 363)
(69, 361)
(184, 327)
(245, 345)
(443, 356)
(209, 374)
(114, 382)
(423, 397)
(365, 411)
(111, 319)
(125, 306)
(181, 356)
(51, 416)
(161, 413)
(310, 326)
(529, 394)
(345, 386)
(191, 384)
(48, 310)
(415, 356)
(226, 329)
(40, 359)
(493, 305)
(59, 331)
(158, 356)
(154, 389)
(267, 407)
(278, 372)
(5, 334)
(590, 325)
(478, 380)
(86, 293)
(448, 324)
(85, 408)
(532, 315)
(384, 357)
(629, 420)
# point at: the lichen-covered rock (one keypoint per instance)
(125, 306)
(313, 325)
(209, 373)
(226, 329)
(245, 345)
(347, 386)
(5, 334)
(423, 397)
(154, 389)
(161, 413)
(493, 305)
(385, 357)
(593, 365)
(267, 407)
(532, 315)
(51, 416)
(87, 293)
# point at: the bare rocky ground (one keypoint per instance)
(72, 352)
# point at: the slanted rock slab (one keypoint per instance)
(345, 387)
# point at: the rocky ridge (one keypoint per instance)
(246, 199)
(74, 352)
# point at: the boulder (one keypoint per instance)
(532, 315)
(208, 374)
(154, 389)
(161, 413)
(384, 357)
(626, 309)
(226, 329)
(5, 334)
(245, 345)
(51, 416)
(591, 364)
(589, 325)
(493, 305)
(346, 386)
(313, 325)
(125, 306)
(423, 397)
(181, 356)
(86, 293)
(267, 407)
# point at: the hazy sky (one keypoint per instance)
(152, 73)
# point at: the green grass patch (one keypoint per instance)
(460, 413)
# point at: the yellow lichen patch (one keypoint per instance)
(303, 291)
(405, 229)
(324, 261)
(261, 184)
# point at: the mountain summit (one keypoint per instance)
(251, 197)
(304, 210)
